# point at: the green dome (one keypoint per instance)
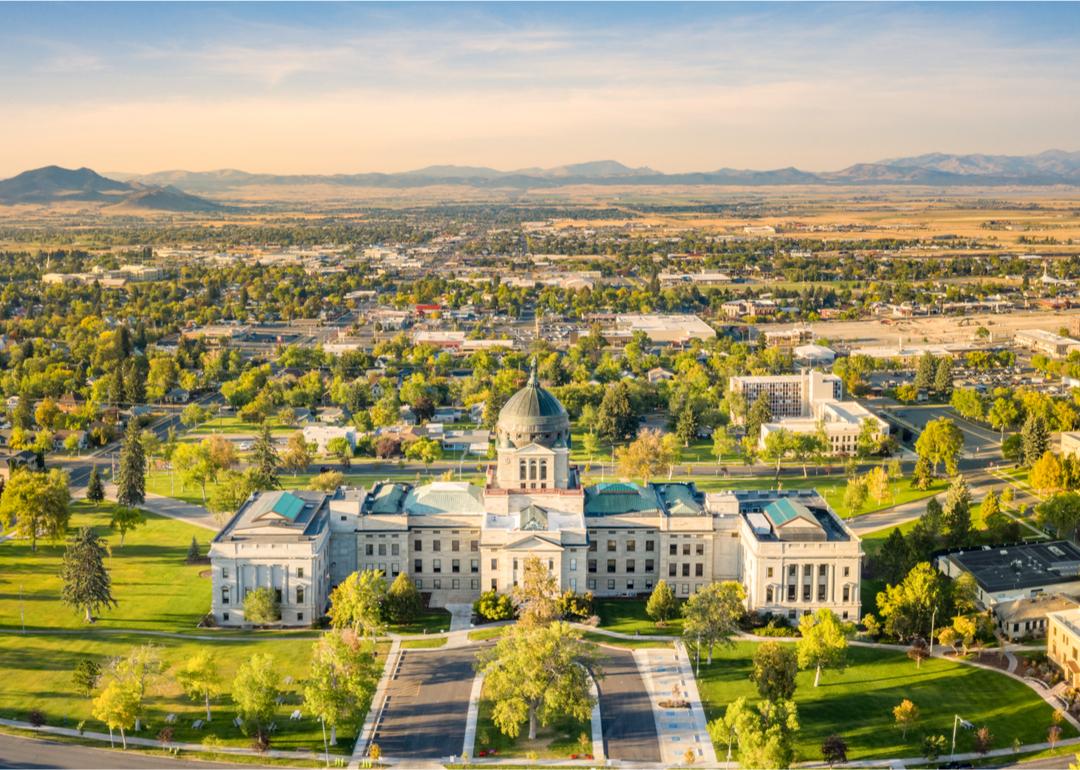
(533, 415)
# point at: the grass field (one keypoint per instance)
(431, 620)
(154, 585)
(857, 704)
(627, 616)
(36, 671)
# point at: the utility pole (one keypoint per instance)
(933, 618)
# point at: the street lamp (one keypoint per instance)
(962, 723)
(933, 617)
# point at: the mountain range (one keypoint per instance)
(53, 184)
(180, 191)
(1053, 167)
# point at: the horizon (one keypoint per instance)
(289, 88)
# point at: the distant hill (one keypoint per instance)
(1053, 167)
(53, 184)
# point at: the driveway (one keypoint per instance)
(625, 709)
(426, 704)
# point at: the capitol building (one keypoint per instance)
(456, 539)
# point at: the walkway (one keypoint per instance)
(627, 712)
(667, 676)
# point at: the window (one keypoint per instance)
(591, 584)
(455, 566)
(369, 549)
(650, 545)
(611, 585)
(611, 546)
(225, 617)
(299, 594)
(592, 546)
(686, 570)
(592, 565)
(382, 549)
(672, 569)
(673, 549)
(807, 570)
(225, 595)
(418, 545)
(631, 546)
(610, 565)
(791, 593)
(769, 594)
(649, 565)
(822, 570)
(685, 549)
(418, 565)
(224, 573)
(806, 593)
(768, 572)
(474, 565)
(573, 565)
(699, 570)
(394, 549)
(455, 584)
(299, 572)
(438, 584)
(474, 584)
(847, 593)
(630, 565)
(629, 585)
(436, 566)
(494, 563)
(300, 616)
(699, 549)
(474, 545)
(455, 545)
(419, 584)
(436, 545)
(277, 595)
(847, 571)
(821, 592)
(494, 584)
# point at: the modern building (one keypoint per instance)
(1063, 643)
(457, 539)
(789, 395)
(1047, 343)
(814, 355)
(1022, 570)
(670, 329)
(1027, 618)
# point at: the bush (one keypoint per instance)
(261, 607)
(36, 717)
(165, 735)
(494, 606)
(573, 606)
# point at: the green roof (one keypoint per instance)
(783, 510)
(288, 505)
(617, 497)
(388, 498)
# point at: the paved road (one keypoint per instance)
(34, 753)
(427, 704)
(625, 710)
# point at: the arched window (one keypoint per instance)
(769, 594)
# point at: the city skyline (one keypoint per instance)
(333, 88)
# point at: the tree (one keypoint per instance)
(662, 604)
(232, 490)
(298, 454)
(537, 594)
(195, 466)
(1047, 476)
(956, 513)
(966, 630)
(765, 734)
(193, 551)
(356, 603)
(965, 593)
(906, 609)
(834, 750)
(934, 746)
(760, 413)
(906, 715)
(923, 476)
(86, 675)
(774, 670)
(535, 674)
(1062, 512)
(36, 504)
(918, 651)
(427, 450)
(823, 644)
(95, 489)
(616, 419)
(645, 457)
(723, 443)
(590, 445)
(264, 461)
(199, 678)
(1012, 448)
(868, 442)
(342, 679)
(86, 583)
(118, 708)
(1003, 414)
(940, 441)
(131, 477)
(254, 692)
(135, 672)
(327, 481)
(712, 614)
(125, 519)
(943, 379)
(777, 444)
(877, 484)
(984, 740)
(855, 495)
(193, 415)
(403, 602)
(925, 371)
(1035, 438)
(261, 607)
(891, 562)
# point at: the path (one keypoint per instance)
(36, 753)
(627, 712)
(667, 674)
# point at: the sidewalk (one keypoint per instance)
(667, 674)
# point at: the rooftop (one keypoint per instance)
(1021, 566)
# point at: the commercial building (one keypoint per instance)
(1047, 343)
(457, 539)
(789, 395)
(1063, 643)
(669, 329)
(1022, 570)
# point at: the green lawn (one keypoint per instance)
(558, 740)
(483, 634)
(155, 587)
(431, 620)
(857, 704)
(642, 642)
(627, 616)
(424, 644)
(36, 670)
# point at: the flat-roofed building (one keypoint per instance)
(1047, 343)
(1020, 570)
(671, 329)
(1063, 643)
(789, 395)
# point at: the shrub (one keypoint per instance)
(494, 606)
(36, 717)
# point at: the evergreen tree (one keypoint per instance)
(925, 371)
(95, 489)
(923, 475)
(943, 375)
(87, 586)
(892, 561)
(193, 551)
(1035, 439)
(131, 478)
(264, 462)
(934, 518)
(686, 427)
(23, 416)
(662, 604)
(616, 419)
(759, 414)
(956, 513)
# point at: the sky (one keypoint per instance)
(345, 88)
